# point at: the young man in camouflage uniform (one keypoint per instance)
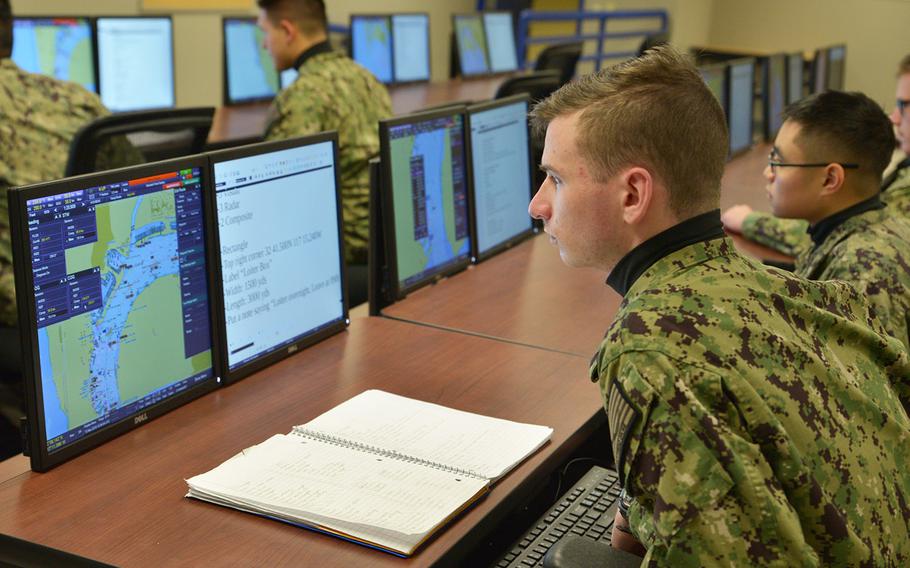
(854, 237)
(331, 92)
(756, 418)
(789, 235)
(38, 117)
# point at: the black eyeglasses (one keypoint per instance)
(901, 105)
(774, 164)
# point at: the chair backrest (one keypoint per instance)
(538, 85)
(138, 137)
(653, 40)
(562, 57)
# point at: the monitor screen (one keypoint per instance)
(794, 77)
(250, 73)
(371, 45)
(715, 77)
(501, 172)
(500, 41)
(427, 219)
(836, 63)
(115, 266)
(279, 233)
(820, 71)
(58, 47)
(775, 94)
(471, 43)
(411, 41)
(136, 63)
(739, 115)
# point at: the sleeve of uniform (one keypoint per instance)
(295, 112)
(783, 235)
(703, 494)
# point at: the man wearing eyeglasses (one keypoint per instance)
(789, 236)
(826, 168)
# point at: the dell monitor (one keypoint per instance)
(500, 152)
(471, 44)
(425, 207)
(113, 290)
(500, 35)
(715, 77)
(774, 95)
(740, 78)
(135, 62)
(837, 56)
(57, 47)
(280, 274)
(371, 45)
(249, 72)
(411, 47)
(794, 77)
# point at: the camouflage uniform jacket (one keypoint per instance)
(789, 235)
(752, 419)
(871, 251)
(38, 117)
(332, 92)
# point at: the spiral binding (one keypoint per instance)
(376, 450)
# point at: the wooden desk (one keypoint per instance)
(245, 121)
(123, 503)
(526, 295)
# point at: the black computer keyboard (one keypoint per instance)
(587, 510)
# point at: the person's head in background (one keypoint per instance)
(829, 154)
(6, 29)
(900, 116)
(290, 27)
(629, 152)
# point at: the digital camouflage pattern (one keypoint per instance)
(332, 92)
(789, 235)
(38, 117)
(871, 251)
(752, 417)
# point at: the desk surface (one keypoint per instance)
(123, 502)
(246, 121)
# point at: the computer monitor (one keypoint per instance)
(411, 47)
(794, 77)
(740, 80)
(774, 95)
(113, 288)
(819, 71)
(371, 45)
(715, 77)
(500, 153)
(837, 56)
(500, 35)
(59, 47)
(425, 207)
(280, 275)
(249, 72)
(135, 62)
(471, 44)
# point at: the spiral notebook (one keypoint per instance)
(380, 469)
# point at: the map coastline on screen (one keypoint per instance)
(57, 47)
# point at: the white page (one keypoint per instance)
(308, 478)
(487, 446)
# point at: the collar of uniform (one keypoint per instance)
(8, 63)
(820, 231)
(318, 49)
(899, 170)
(700, 228)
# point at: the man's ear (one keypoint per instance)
(289, 29)
(637, 193)
(834, 179)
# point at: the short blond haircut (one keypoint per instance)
(654, 111)
(903, 68)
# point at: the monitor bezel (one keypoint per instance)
(802, 75)
(487, 39)
(302, 341)
(476, 254)
(733, 152)
(225, 82)
(486, 49)
(457, 264)
(766, 92)
(41, 459)
(170, 19)
(92, 43)
(388, 17)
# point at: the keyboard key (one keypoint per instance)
(541, 549)
(510, 557)
(600, 507)
(503, 563)
(528, 561)
(524, 543)
(550, 540)
(535, 556)
(578, 531)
